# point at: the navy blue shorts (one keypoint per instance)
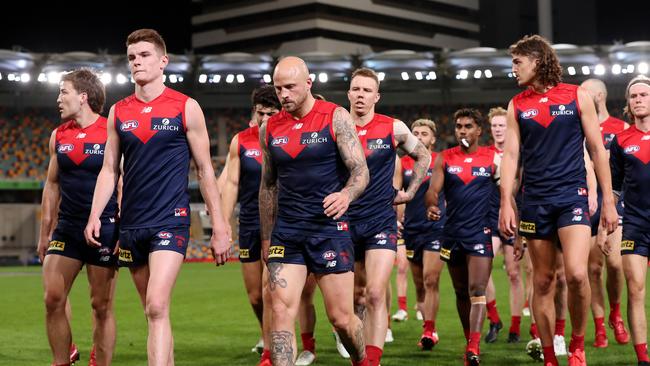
(321, 254)
(68, 240)
(635, 241)
(136, 244)
(417, 244)
(250, 245)
(454, 251)
(541, 221)
(375, 234)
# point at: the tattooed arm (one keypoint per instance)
(268, 197)
(407, 142)
(336, 204)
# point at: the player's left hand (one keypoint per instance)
(433, 213)
(602, 242)
(400, 229)
(402, 197)
(593, 204)
(336, 204)
(609, 217)
(220, 246)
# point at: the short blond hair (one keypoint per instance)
(423, 122)
(366, 72)
(496, 111)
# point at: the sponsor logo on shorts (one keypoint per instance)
(454, 169)
(65, 148)
(164, 243)
(435, 244)
(125, 255)
(252, 153)
(342, 226)
(180, 241)
(445, 253)
(481, 172)
(487, 230)
(244, 253)
(527, 227)
(582, 191)
(180, 212)
(104, 258)
(276, 251)
(330, 264)
(329, 255)
(479, 248)
(410, 254)
(577, 211)
(577, 218)
(165, 235)
(529, 113)
(381, 236)
(56, 245)
(280, 141)
(129, 125)
(632, 149)
(627, 245)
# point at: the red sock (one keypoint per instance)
(473, 342)
(373, 354)
(600, 325)
(466, 331)
(401, 302)
(515, 325)
(266, 355)
(641, 350)
(534, 333)
(526, 304)
(549, 355)
(492, 312)
(577, 342)
(559, 326)
(429, 326)
(308, 342)
(363, 362)
(615, 310)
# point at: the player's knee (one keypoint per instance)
(431, 281)
(577, 279)
(156, 309)
(340, 320)
(255, 297)
(514, 276)
(636, 290)
(101, 308)
(476, 290)
(544, 283)
(54, 301)
(595, 271)
(376, 296)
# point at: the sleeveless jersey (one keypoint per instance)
(250, 174)
(415, 214)
(609, 128)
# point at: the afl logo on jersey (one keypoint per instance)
(65, 148)
(280, 141)
(454, 169)
(252, 153)
(129, 125)
(529, 113)
(632, 149)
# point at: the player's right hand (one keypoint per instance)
(400, 229)
(266, 244)
(41, 249)
(519, 248)
(602, 242)
(507, 221)
(220, 246)
(91, 233)
(336, 204)
(433, 213)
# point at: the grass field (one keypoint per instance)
(213, 325)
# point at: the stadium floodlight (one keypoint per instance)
(418, 75)
(42, 78)
(230, 78)
(322, 77)
(164, 78)
(25, 77)
(405, 75)
(630, 69)
(571, 70)
(432, 75)
(477, 74)
(488, 73)
(215, 79)
(53, 77)
(173, 78)
(180, 78)
(642, 68)
(599, 69)
(106, 78)
(11, 77)
(240, 78)
(203, 78)
(0, 76)
(312, 77)
(616, 69)
(463, 74)
(381, 76)
(121, 79)
(586, 70)
(132, 80)
(511, 75)
(267, 78)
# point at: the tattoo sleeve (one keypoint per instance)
(268, 196)
(414, 148)
(351, 153)
(282, 348)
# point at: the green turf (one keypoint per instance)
(213, 325)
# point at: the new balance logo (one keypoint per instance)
(467, 160)
(363, 132)
(297, 126)
(543, 100)
(146, 110)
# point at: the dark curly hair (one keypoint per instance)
(471, 113)
(548, 70)
(266, 97)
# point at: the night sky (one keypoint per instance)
(48, 28)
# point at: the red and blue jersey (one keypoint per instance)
(250, 174)
(469, 186)
(552, 149)
(609, 128)
(415, 213)
(378, 143)
(309, 168)
(630, 163)
(80, 156)
(156, 160)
